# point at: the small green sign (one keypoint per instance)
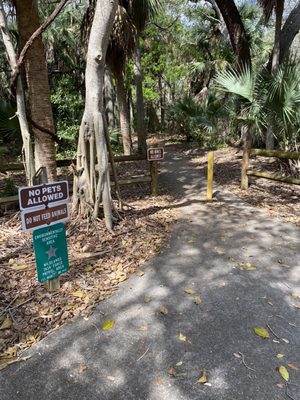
(51, 253)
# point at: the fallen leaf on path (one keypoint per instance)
(159, 381)
(108, 324)
(139, 273)
(172, 372)
(89, 268)
(280, 385)
(182, 337)
(147, 299)
(142, 328)
(237, 355)
(10, 353)
(203, 377)
(285, 340)
(21, 267)
(79, 294)
(82, 368)
(296, 306)
(279, 355)
(190, 291)
(197, 300)
(293, 366)
(295, 295)
(179, 364)
(111, 378)
(284, 373)
(262, 332)
(6, 324)
(11, 261)
(163, 310)
(218, 251)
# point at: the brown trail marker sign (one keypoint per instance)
(154, 154)
(45, 206)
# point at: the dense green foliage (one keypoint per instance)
(191, 86)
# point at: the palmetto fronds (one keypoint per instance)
(267, 98)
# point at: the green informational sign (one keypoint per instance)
(51, 253)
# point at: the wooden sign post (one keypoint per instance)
(154, 155)
(210, 174)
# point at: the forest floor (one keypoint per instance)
(213, 315)
(101, 261)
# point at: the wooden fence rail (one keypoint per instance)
(283, 155)
(152, 178)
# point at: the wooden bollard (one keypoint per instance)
(245, 166)
(210, 175)
(154, 177)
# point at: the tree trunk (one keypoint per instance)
(92, 182)
(38, 86)
(274, 65)
(140, 109)
(237, 33)
(276, 48)
(161, 103)
(289, 31)
(124, 112)
(109, 97)
(21, 111)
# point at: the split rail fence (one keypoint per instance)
(284, 155)
(152, 178)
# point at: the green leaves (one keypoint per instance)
(108, 324)
(261, 332)
(238, 82)
(284, 373)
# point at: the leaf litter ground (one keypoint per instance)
(99, 262)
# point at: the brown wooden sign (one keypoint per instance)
(155, 154)
(40, 196)
(32, 220)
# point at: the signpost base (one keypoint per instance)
(154, 177)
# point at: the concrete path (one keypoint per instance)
(131, 361)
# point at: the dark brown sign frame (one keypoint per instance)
(40, 196)
(155, 154)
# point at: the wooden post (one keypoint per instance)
(154, 177)
(39, 178)
(245, 166)
(210, 174)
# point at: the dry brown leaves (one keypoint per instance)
(278, 199)
(99, 262)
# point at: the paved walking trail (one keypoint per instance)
(204, 252)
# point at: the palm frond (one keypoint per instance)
(241, 83)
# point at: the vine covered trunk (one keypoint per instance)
(92, 181)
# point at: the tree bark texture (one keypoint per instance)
(92, 182)
(124, 112)
(278, 22)
(109, 98)
(38, 86)
(289, 31)
(140, 108)
(237, 33)
(21, 111)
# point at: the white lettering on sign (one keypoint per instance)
(42, 195)
(37, 199)
(155, 154)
